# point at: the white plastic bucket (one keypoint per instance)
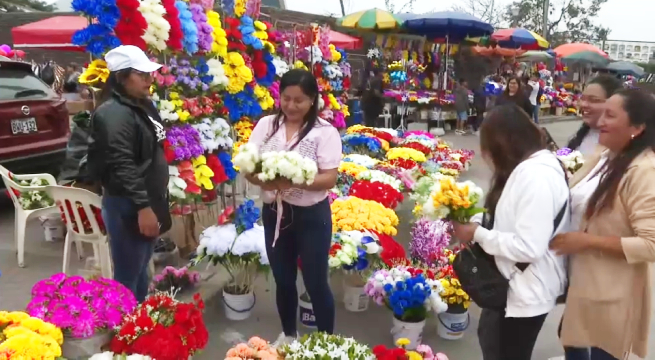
(78, 349)
(238, 307)
(354, 298)
(411, 331)
(424, 114)
(53, 227)
(306, 312)
(452, 326)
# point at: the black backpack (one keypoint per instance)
(479, 275)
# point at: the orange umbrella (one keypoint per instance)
(574, 48)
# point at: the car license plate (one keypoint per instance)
(23, 126)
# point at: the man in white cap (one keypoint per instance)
(126, 156)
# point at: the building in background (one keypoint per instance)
(635, 51)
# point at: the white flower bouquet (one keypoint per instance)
(276, 164)
(108, 355)
(247, 158)
(363, 160)
(571, 159)
(354, 251)
(319, 345)
(380, 176)
(237, 243)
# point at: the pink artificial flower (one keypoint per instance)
(425, 351)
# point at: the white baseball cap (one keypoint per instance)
(130, 56)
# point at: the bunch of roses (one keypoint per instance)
(417, 146)
(403, 163)
(382, 193)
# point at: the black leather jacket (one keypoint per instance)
(126, 153)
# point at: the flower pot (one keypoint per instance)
(238, 307)
(306, 311)
(354, 298)
(453, 323)
(78, 349)
(411, 331)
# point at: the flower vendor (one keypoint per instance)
(126, 154)
(296, 214)
(527, 206)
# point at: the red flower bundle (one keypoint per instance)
(381, 352)
(169, 153)
(417, 146)
(403, 163)
(187, 174)
(377, 133)
(234, 36)
(258, 65)
(376, 191)
(393, 253)
(84, 218)
(175, 35)
(131, 25)
(163, 329)
(217, 167)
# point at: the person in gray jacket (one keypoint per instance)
(462, 106)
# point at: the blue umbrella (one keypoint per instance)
(456, 25)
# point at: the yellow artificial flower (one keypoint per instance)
(219, 45)
(357, 129)
(406, 153)
(336, 56)
(345, 111)
(351, 168)
(299, 65)
(239, 8)
(353, 213)
(183, 115)
(402, 342)
(202, 172)
(264, 97)
(413, 355)
(96, 74)
(260, 30)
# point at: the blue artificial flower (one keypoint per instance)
(98, 37)
(355, 143)
(388, 288)
(247, 214)
(267, 80)
(189, 27)
(247, 30)
(243, 103)
(226, 161)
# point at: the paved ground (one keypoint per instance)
(371, 327)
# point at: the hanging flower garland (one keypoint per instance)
(189, 28)
(172, 16)
(97, 38)
(157, 32)
(219, 44)
(132, 25)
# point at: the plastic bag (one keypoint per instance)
(48, 74)
(74, 166)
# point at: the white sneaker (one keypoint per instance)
(282, 340)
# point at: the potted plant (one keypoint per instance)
(174, 280)
(237, 243)
(410, 294)
(85, 310)
(26, 337)
(163, 329)
(317, 344)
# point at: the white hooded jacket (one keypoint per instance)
(523, 227)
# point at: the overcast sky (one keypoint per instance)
(628, 19)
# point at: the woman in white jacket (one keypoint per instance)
(528, 191)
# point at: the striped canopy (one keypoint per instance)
(519, 38)
(370, 19)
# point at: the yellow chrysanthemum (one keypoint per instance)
(264, 97)
(219, 45)
(353, 213)
(239, 7)
(406, 153)
(402, 342)
(351, 168)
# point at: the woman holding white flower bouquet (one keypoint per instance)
(296, 212)
(527, 205)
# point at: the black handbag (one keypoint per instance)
(479, 275)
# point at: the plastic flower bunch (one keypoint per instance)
(380, 176)
(96, 74)
(25, 337)
(418, 146)
(422, 352)
(205, 31)
(202, 173)
(99, 37)
(219, 45)
(247, 29)
(572, 160)
(354, 251)
(421, 139)
(172, 16)
(410, 293)
(247, 158)
(189, 27)
(429, 238)
(264, 97)
(240, 7)
(319, 345)
(351, 168)
(185, 142)
(363, 160)
(274, 89)
(173, 109)
(163, 78)
(452, 292)
(237, 72)
(406, 153)
(78, 306)
(242, 104)
(209, 139)
(361, 144)
(108, 355)
(255, 348)
(451, 200)
(281, 66)
(352, 213)
(172, 279)
(380, 192)
(131, 25)
(157, 32)
(243, 129)
(287, 164)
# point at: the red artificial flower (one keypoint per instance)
(333, 250)
(381, 352)
(392, 252)
(188, 175)
(376, 191)
(259, 67)
(417, 146)
(346, 83)
(217, 167)
(403, 163)
(131, 25)
(175, 35)
(318, 71)
(169, 153)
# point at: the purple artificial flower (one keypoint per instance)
(185, 141)
(429, 238)
(563, 151)
(205, 39)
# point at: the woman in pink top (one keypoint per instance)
(305, 226)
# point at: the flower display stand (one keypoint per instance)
(411, 331)
(79, 349)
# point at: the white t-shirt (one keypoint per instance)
(581, 193)
(534, 93)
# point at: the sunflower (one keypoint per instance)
(95, 74)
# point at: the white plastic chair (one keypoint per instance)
(76, 196)
(386, 115)
(21, 215)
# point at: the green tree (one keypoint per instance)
(489, 11)
(392, 7)
(25, 6)
(568, 20)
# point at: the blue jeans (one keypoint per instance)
(463, 116)
(535, 113)
(587, 354)
(305, 234)
(130, 251)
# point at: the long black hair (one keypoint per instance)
(640, 106)
(114, 84)
(610, 85)
(307, 83)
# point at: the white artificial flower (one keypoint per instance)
(359, 159)
(158, 29)
(315, 54)
(373, 53)
(107, 355)
(207, 135)
(217, 71)
(281, 66)
(287, 164)
(380, 176)
(222, 130)
(167, 111)
(247, 158)
(217, 240)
